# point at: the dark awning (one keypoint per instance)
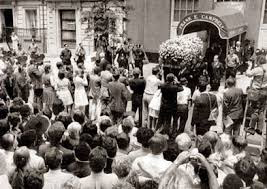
(229, 22)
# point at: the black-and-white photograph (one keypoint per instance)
(133, 94)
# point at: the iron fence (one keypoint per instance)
(26, 35)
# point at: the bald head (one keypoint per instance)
(7, 141)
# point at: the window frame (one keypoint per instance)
(73, 41)
(31, 9)
(264, 10)
(188, 10)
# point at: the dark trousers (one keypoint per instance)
(234, 129)
(164, 122)
(116, 116)
(137, 103)
(182, 113)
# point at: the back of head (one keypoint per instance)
(90, 129)
(246, 170)
(21, 157)
(143, 136)
(33, 180)
(177, 177)
(121, 167)
(97, 70)
(96, 141)
(158, 144)
(61, 75)
(149, 184)
(155, 71)
(3, 111)
(183, 141)
(104, 124)
(58, 106)
(123, 141)
(127, 125)
(25, 110)
(212, 137)
(65, 118)
(110, 144)
(98, 159)
(172, 151)
(82, 152)
(55, 132)
(232, 181)
(4, 128)
(205, 148)
(79, 117)
(170, 77)
(123, 185)
(261, 59)
(53, 158)
(27, 138)
(240, 143)
(86, 138)
(230, 82)
(74, 130)
(7, 141)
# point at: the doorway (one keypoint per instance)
(6, 22)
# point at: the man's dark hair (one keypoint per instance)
(90, 128)
(172, 151)
(58, 106)
(232, 181)
(97, 141)
(205, 148)
(110, 144)
(33, 180)
(123, 141)
(53, 158)
(230, 82)
(202, 87)
(4, 128)
(97, 70)
(127, 125)
(149, 184)
(215, 86)
(158, 144)
(155, 71)
(239, 142)
(87, 138)
(170, 77)
(82, 151)
(15, 108)
(104, 124)
(14, 119)
(246, 170)
(79, 117)
(143, 136)
(98, 159)
(55, 133)
(18, 101)
(61, 75)
(27, 138)
(3, 111)
(25, 111)
(65, 118)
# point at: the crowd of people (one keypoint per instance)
(76, 132)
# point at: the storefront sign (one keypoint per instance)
(204, 17)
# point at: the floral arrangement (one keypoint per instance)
(181, 50)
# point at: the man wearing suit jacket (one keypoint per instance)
(118, 97)
(233, 106)
(168, 108)
(204, 104)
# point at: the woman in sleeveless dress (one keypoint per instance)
(63, 92)
(80, 96)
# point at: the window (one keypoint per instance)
(265, 13)
(183, 8)
(68, 28)
(31, 19)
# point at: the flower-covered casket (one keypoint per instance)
(176, 53)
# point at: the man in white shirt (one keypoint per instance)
(28, 139)
(183, 99)
(153, 165)
(55, 178)
(152, 84)
(98, 179)
(143, 136)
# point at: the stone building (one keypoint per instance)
(51, 22)
(154, 21)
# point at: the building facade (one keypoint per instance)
(50, 22)
(154, 21)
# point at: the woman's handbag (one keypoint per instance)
(256, 94)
